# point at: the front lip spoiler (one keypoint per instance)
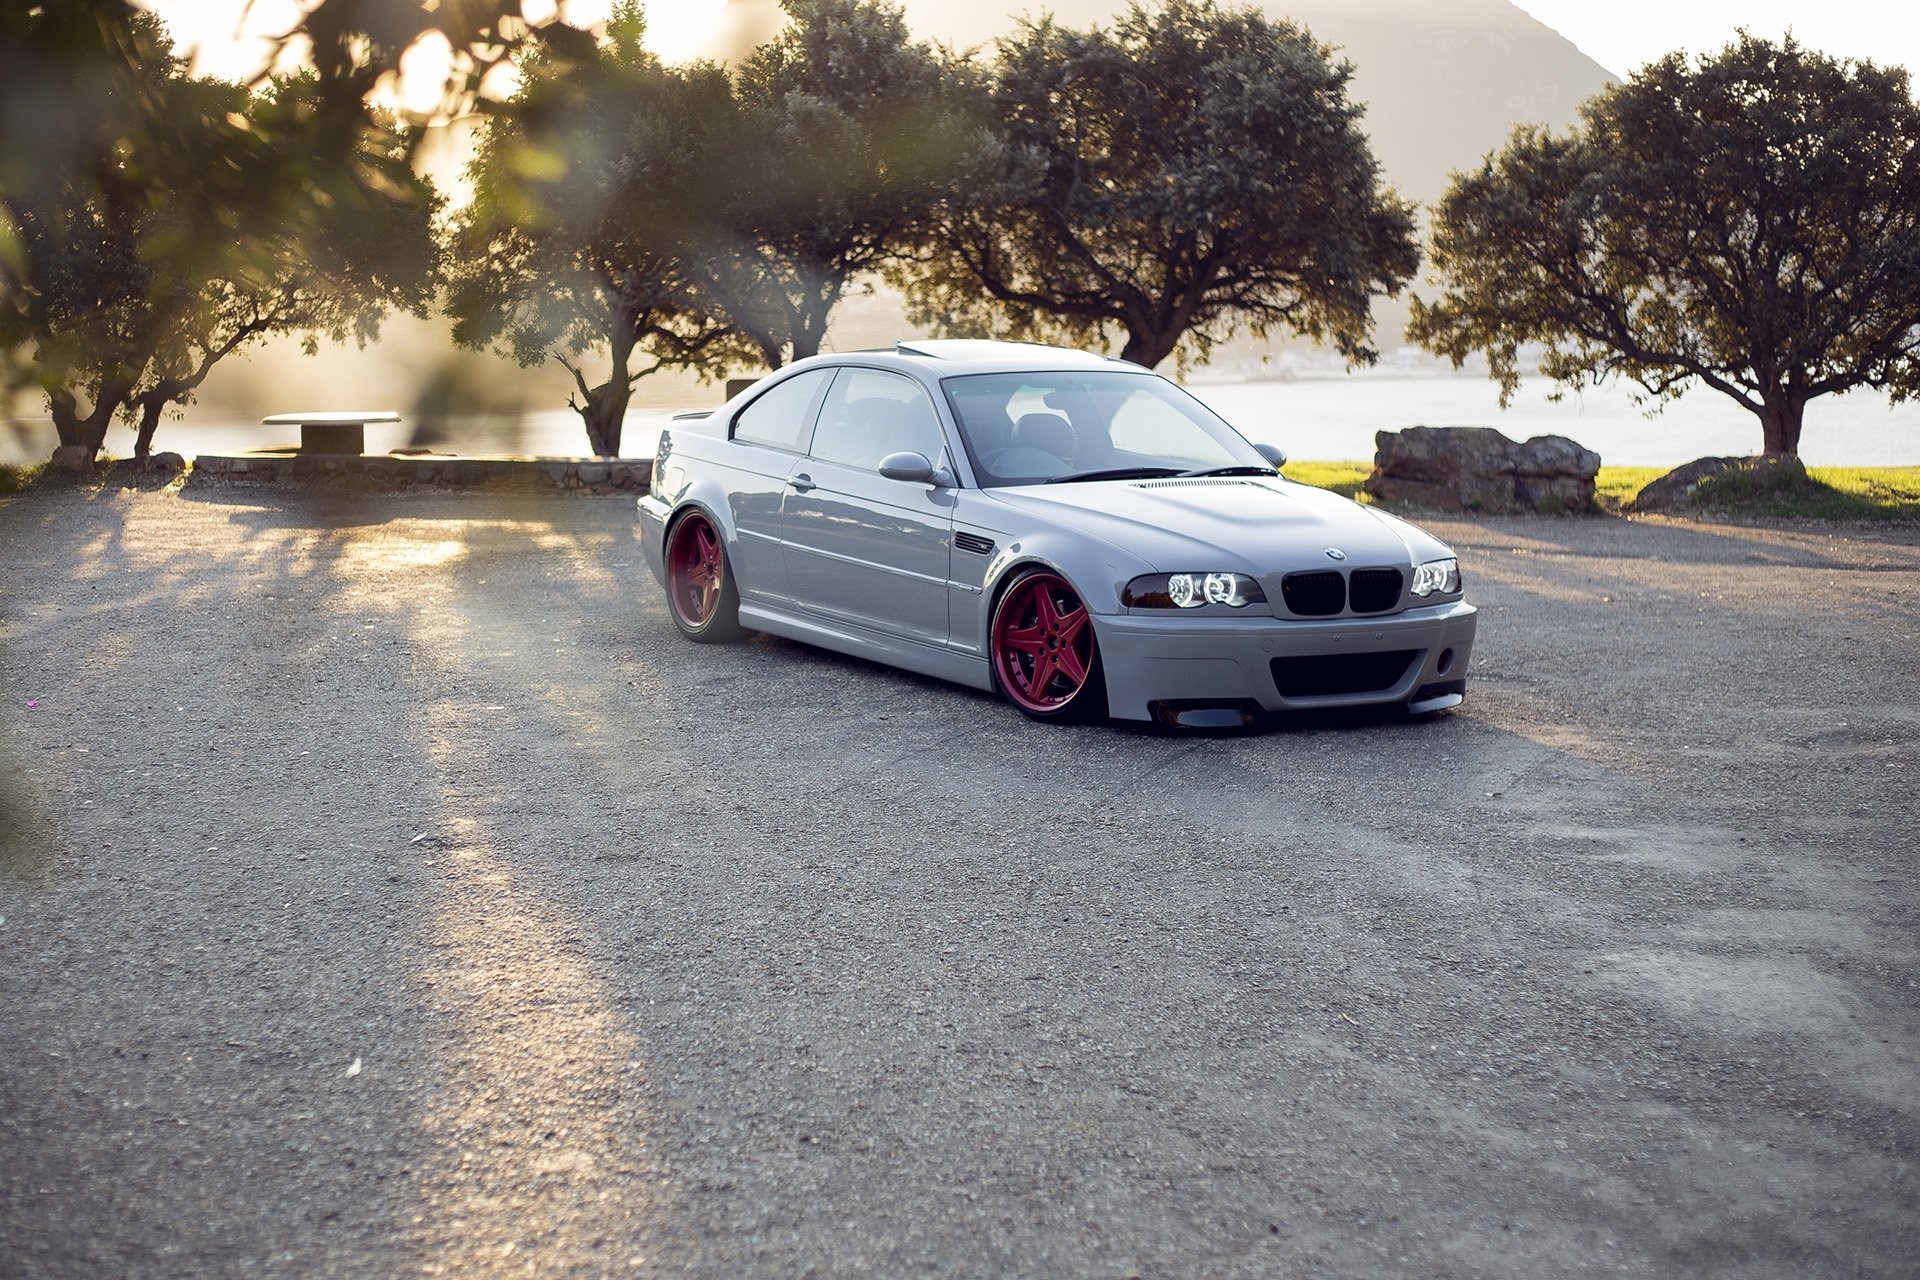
(1437, 697)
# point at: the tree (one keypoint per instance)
(594, 192)
(1750, 221)
(1193, 171)
(355, 245)
(72, 134)
(851, 136)
(177, 219)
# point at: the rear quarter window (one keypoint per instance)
(782, 416)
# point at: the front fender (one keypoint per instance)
(1096, 570)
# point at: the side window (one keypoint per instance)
(780, 416)
(870, 414)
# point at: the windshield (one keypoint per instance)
(1034, 428)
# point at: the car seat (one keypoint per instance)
(1047, 432)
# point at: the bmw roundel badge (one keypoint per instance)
(1335, 553)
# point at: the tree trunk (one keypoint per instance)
(1146, 348)
(811, 330)
(605, 414)
(150, 408)
(806, 343)
(74, 431)
(603, 409)
(1780, 420)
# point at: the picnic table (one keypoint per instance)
(332, 430)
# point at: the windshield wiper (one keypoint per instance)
(1118, 473)
(1238, 470)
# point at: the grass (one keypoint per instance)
(1343, 478)
(1830, 493)
(1617, 486)
(13, 479)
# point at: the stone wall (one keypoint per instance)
(394, 472)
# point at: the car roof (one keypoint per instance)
(947, 357)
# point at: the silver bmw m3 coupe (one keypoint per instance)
(1075, 532)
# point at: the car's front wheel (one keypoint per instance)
(700, 593)
(1045, 658)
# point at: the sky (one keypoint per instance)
(1622, 35)
(1618, 34)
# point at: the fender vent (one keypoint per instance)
(973, 542)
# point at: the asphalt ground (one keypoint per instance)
(387, 889)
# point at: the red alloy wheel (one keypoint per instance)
(696, 571)
(1043, 650)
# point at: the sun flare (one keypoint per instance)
(683, 30)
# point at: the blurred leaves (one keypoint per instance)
(685, 217)
(170, 220)
(1749, 220)
(594, 195)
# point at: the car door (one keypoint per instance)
(861, 548)
(769, 438)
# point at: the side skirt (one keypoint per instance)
(942, 664)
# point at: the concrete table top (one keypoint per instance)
(332, 430)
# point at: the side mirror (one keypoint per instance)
(914, 468)
(1276, 456)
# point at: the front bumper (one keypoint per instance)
(1168, 667)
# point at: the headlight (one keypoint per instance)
(1191, 590)
(1437, 577)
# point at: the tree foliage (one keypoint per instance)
(1191, 172)
(682, 217)
(595, 193)
(157, 223)
(1749, 220)
(851, 136)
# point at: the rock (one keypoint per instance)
(167, 463)
(72, 459)
(1479, 469)
(1686, 484)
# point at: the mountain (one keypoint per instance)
(1446, 82)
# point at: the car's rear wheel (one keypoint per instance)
(700, 591)
(1045, 658)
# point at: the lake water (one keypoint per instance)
(1334, 419)
(1317, 418)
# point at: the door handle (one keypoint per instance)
(802, 482)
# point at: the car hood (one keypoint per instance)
(1227, 524)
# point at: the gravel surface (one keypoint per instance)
(386, 888)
